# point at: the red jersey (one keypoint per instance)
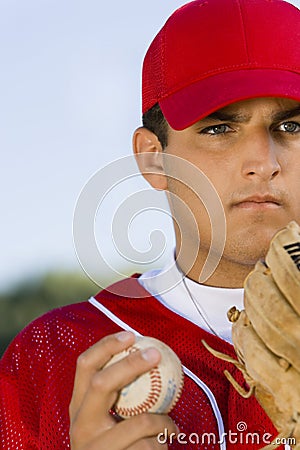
(37, 374)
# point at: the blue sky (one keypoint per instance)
(70, 100)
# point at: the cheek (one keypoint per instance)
(290, 181)
(223, 177)
(192, 214)
(293, 190)
(213, 181)
(183, 198)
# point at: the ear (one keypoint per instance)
(149, 157)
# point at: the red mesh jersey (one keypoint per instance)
(37, 373)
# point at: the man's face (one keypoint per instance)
(250, 151)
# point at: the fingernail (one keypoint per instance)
(150, 354)
(123, 336)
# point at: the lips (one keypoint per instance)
(259, 201)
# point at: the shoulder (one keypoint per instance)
(75, 316)
(64, 332)
(45, 331)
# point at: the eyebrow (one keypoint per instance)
(223, 116)
(238, 117)
(288, 114)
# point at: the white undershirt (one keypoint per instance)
(167, 286)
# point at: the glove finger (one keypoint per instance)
(261, 364)
(272, 317)
(283, 259)
(277, 388)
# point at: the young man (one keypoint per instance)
(221, 90)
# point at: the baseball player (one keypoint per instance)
(221, 92)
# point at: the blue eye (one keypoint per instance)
(216, 129)
(289, 127)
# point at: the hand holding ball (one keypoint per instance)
(156, 391)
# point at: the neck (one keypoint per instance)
(228, 274)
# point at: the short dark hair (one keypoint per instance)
(155, 121)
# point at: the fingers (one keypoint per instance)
(143, 427)
(105, 384)
(93, 359)
(95, 391)
(148, 444)
(138, 433)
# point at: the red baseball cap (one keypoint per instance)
(211, 53)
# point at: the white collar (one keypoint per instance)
(167, 286)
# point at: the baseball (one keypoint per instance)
(156, 391)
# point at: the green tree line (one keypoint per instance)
(30, 299)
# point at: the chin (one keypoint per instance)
(248, 247)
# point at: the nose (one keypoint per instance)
(260, 159)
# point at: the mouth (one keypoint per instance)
(258, 203)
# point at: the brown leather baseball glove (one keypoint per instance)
(266, 335)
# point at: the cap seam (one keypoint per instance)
(163, 53)
(246, 47)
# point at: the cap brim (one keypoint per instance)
(196, 101)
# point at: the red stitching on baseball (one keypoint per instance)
(151, 400)
(153, 395)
